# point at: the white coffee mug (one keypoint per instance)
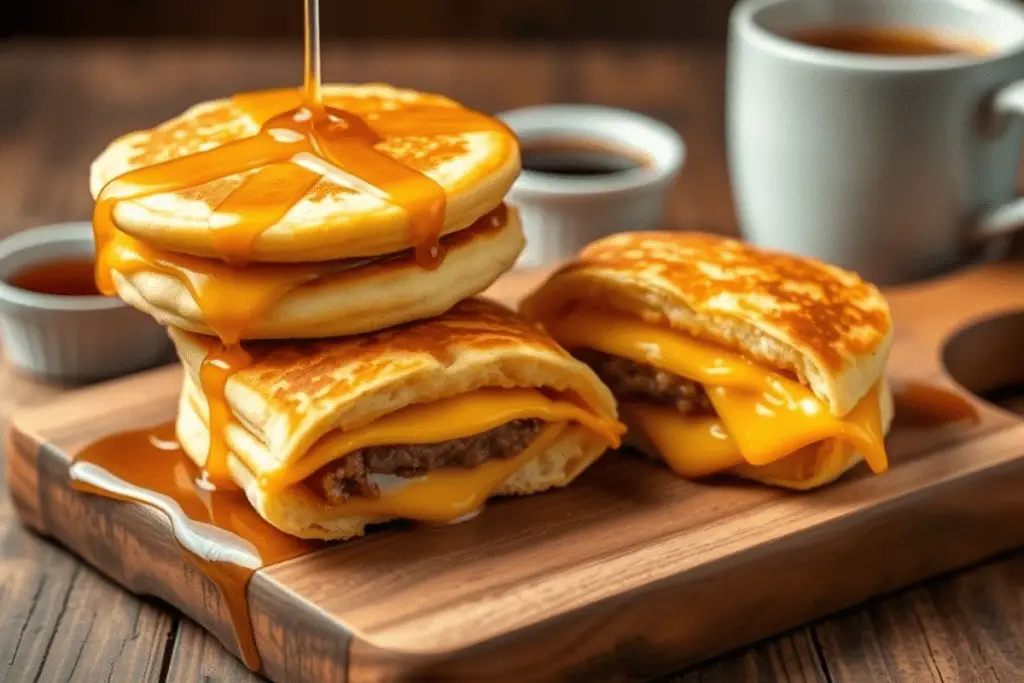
(897, 167)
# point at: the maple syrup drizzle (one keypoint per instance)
(218, 531)
(924, 405)
(218, 366)
(215, 525)
(231, 298)
(311, 66)
(262, 200)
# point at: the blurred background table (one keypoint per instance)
(60, 103)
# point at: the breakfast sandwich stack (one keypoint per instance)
(337, 367)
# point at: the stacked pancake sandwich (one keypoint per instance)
(314, 268)
(729, 359)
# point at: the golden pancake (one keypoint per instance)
(473, 158)
(302, 406)
(280, 301)
(825, 325)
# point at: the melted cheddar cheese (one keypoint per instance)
(230, 299)
(762, 417)
(460, 416)
(693, 446)
(447, 495)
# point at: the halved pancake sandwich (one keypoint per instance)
(422, 421)
(728, 358)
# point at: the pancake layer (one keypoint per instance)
(472, 157)
(319, 300)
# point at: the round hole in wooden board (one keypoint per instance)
(987, 359)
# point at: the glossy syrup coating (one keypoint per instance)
(218, 530)
(234, 302)
(265, 176)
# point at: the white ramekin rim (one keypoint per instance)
(14, 299)
(597, 122)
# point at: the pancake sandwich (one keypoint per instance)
(729, 359)
(423, 421)
(314, 254)
(234, 220)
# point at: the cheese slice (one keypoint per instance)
(767, 427)
(661, 347)
(693, 446)
(766, 415)
(452, 418)
(447, 495)
(696, 446)
(806, 469)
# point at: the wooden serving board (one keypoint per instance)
(628, 573)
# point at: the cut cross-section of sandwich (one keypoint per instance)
(727, 358)
(423, 421)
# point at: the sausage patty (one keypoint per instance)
(628, 378)
(350, 476)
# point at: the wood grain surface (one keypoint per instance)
(60, 103)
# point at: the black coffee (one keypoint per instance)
(890, 41)
(568, 157)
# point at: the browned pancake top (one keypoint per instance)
(294, 372)
(815, 305)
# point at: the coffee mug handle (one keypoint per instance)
(1009, 218)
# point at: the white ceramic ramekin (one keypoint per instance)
(562, 214)
(70, 338)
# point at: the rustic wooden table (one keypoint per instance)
(60, 103)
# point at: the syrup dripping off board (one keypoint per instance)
(628, 573)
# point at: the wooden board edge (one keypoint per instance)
(301, 643)
(697, 615)
(134, 545)
(142, 392)
(297, 641)
(131, 544)
(23, 477)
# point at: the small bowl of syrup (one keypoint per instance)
(55, 323)
(589, 171)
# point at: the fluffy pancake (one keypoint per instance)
(297, 398)
(825, 325)
(472, 157)
(333, 299)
